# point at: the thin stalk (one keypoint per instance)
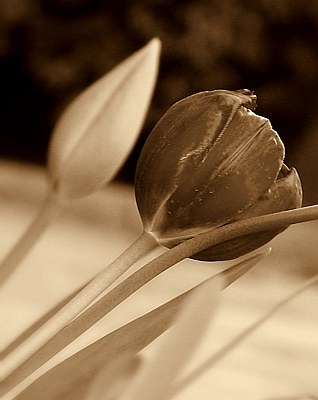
(149, 271)
(158, 321)
(223, 351)
(261, 223)
(142, 245)
(49, 210)
(36, 325)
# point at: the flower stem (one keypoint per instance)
(257, 224)
(37, 324)
(142, 245)
(50, 209)
(158, 321)
(153, 268)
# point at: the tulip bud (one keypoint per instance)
(209, 161)
(99, 128)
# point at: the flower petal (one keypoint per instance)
(284, 194)
(208, 159)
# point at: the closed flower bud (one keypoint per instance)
(97, 131)
(209, 161)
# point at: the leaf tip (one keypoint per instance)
(233, 273)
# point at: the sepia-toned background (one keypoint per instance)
(51, 49)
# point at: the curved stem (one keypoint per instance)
(240, 228)
(144, 243)
(161, 318)
(50, 209)
(153, 268)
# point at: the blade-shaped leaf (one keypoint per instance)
(99, 310)
(111, 381)
(156, 379)
(132, 338)
(99, 128)
(237, 340)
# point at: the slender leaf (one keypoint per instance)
(232, 344)
(156, 379)
(132, 338)
(112, 380)
(50, 337)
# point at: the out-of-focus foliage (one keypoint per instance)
(51, 49)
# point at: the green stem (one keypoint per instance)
(78, 303)
(49, 211)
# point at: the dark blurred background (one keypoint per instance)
(50, 50)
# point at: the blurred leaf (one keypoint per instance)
(237, 340)
(156, 379)
(97, 131)
(112, 380)
(132, 338)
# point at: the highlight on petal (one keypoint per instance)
(208, 162)
(284, 194)
(97, 131)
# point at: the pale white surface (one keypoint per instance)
(280, 359)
